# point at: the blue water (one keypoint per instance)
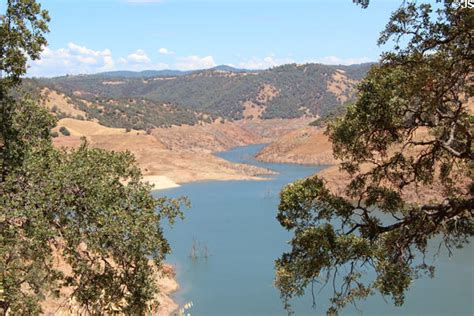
(235, 222)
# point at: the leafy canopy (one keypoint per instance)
(79, 222)
(410, 128)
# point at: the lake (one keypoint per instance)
(236, 238)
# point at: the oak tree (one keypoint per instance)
(410, 128)
(84, 208)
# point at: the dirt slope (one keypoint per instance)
(205, 138)
(269, 130)
(307, 145)
(223, 136)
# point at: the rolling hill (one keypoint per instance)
(150, 99)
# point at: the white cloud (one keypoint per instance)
(334, 60)
(264, 63)
(109, 62)
(138, 61)
(195, 62)
(160, 66)
(165, 51)
(74, 59)
(75, 49)
(273, 61)
(138, 57)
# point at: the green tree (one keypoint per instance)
(86, 207)
(420, 88)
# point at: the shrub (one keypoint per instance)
(63, 130)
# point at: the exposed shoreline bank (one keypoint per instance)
(168, 285)
(160, 182)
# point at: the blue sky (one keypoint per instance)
(92, 36)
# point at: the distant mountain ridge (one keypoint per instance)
(164, 72)
(139, 74)
(148, 99)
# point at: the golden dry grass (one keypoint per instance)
(341, 86)
(252, 110)
(61, 102)
(88, 128)
(266, 93)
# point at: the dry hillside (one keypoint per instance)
(271, 129)
(155, 160)
(205, 138)
(337, 180)
(341, 86)
(286, 91)
(87, 128)
(182, 153)
(59, 103)
(168, 155)
(254, 109)
(307, 145)
(218, 136)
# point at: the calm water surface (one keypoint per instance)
(233, 222)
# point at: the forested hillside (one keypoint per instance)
(156, 99)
